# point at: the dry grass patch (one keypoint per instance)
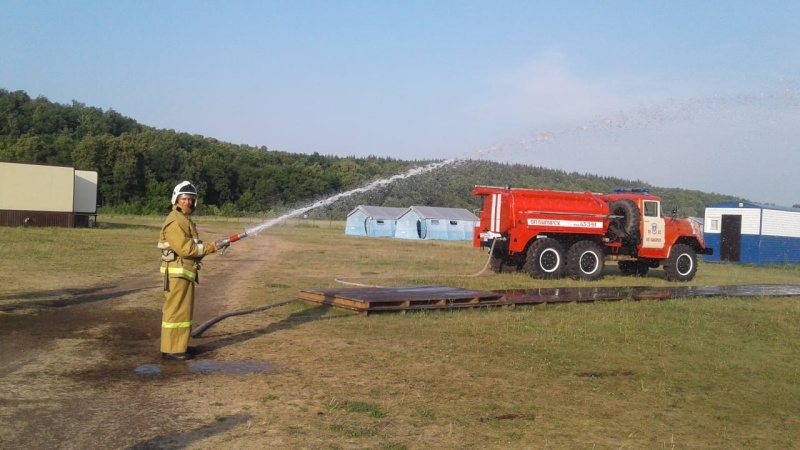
(707, 373)
(697, 373)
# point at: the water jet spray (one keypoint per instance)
(224, 242)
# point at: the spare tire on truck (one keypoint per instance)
(625, 227)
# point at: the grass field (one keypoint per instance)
(687, 373)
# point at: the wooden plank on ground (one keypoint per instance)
(403, 298)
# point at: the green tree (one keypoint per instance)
(124, 171)
(28, 148)
(247, 202)
(62, 148)
(90, 153)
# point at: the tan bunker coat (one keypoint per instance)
(181, 251)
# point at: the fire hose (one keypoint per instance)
(197, 332)
(342, 280)
(223, 244)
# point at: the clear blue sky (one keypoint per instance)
(694, 94)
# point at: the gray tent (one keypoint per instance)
(431, 222)
(366, 220)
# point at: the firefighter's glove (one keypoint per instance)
(222, 244)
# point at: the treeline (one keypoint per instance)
(139, 165)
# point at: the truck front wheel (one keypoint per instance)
(585, 261)
(681, 264)
(545, 259)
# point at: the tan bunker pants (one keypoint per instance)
(176, 322)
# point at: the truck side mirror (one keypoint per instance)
(675, 213)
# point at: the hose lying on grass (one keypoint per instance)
(485, 266)
(197, 332)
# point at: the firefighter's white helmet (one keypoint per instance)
(184, 188)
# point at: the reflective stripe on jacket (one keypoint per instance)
(180, 272)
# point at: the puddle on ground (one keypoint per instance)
(203, 367)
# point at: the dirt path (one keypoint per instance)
(67, 363)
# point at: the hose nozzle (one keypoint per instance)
(224, 243)
(236, 237)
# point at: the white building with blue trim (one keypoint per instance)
(752, 233)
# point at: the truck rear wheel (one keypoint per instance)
(681, 264)
(585, 261)
(626, 227)
(545, 259)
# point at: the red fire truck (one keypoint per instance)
(549, 234)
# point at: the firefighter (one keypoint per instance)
(181, 253)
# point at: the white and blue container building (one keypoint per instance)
(752, 233)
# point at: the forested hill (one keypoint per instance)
(138, 165)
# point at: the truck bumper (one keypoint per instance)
(486, 239)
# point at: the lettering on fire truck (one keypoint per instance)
(565, 223)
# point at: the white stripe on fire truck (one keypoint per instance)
(497, 200)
